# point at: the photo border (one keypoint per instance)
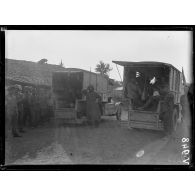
(87, 167)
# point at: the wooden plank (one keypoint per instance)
(145, 125)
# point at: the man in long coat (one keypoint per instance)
(93, 109)
(133, 93)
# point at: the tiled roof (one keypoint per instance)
(30, 72)
(82, 70)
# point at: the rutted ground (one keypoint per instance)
(108, 144)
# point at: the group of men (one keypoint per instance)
(25, 107)
(151, 101)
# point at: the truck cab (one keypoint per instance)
(148, 76)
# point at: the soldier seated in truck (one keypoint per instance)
(153, 101)
(133, 93)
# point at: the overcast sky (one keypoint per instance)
(84, 49)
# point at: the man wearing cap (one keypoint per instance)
(133, 93)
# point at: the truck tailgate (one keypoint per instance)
(65, 113)
(144, 120)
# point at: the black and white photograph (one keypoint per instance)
(98, 97)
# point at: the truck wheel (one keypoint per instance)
(174, 119)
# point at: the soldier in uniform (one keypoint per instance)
(33, 107)
(8, 132)
(12, 111)
(93, 109)
(26, 106)
(19, 99)
(133, 93)
(6, 112)
(50, 105)
(167, 109)
(152, 102)
(43, 106)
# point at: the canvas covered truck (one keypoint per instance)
(67, 87)
(147, 74)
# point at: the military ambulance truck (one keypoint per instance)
(157, 73)
(67, 87)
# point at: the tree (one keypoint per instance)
(103, 68)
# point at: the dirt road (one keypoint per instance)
(110, 143)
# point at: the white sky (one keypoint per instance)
(84, 49)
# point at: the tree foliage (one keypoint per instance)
(103, 68)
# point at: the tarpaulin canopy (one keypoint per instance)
(143, 64)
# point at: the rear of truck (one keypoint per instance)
(67, 90)
(160, 74)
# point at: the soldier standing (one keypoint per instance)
(33, 107)
(19, 99)
(8, 132)
(26, 106)
(12, 111)
(133, 93)
(93, 109)
(36, 108)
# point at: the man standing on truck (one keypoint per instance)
(133, 93)
(93, 109)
